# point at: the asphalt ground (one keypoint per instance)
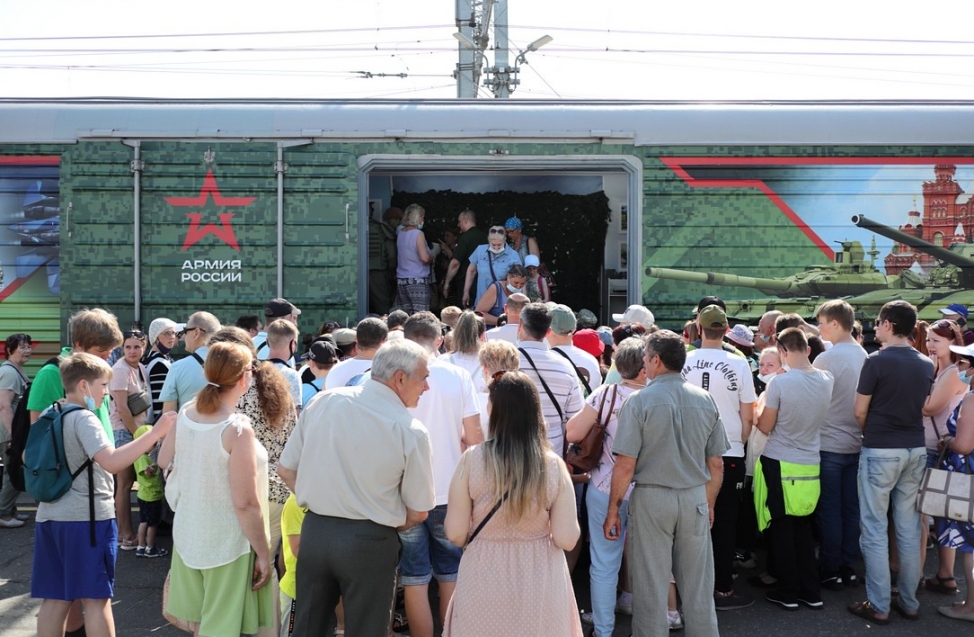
(138, 600)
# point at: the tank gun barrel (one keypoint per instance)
(938, 252)
(768, 286)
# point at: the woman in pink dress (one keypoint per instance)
(513, 578)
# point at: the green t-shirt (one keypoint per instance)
(150, 487)
(47, 390)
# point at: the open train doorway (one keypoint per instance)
(583, 212)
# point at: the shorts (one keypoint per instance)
(219, 599)
(122, 437)
(426, 553)
(150, 513)
(67, 567)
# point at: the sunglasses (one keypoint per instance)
(134, 334)
(189, 329)
(498, 231)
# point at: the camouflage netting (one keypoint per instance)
(570, 230)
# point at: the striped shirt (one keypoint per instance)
(157, 368)
(560, 377)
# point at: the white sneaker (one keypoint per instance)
(11, 523)
(675, 619)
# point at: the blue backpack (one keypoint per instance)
(47, 476)
(359, 379)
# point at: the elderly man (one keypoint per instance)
(670, 441)
(515, 303)
(362, 465)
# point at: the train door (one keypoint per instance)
(584, 211)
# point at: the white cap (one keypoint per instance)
(636, 314)
(531, 261)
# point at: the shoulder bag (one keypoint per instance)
(587, 454)
(947, 494)
(554, 401)
(140, 401)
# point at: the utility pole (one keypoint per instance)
(472, 20)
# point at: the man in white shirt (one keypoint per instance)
(559, 337)
(370, 334)
(282, 340)
(558, 387)
(515, 303)
(728, 379)
(450, 412)
(275, 309)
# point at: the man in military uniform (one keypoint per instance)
(383, 258)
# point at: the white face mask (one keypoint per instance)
(421, 224)
(965, 378)
(514, 290)
(785, 367)
(497, 250)
(766, 378)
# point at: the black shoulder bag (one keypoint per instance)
(487, 518)
(578, 372)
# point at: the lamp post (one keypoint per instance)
(502, 79)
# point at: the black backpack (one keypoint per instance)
(20, 429)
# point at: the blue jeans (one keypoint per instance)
(606, 560)
(426, 552)
(838, 511)
(889, 480)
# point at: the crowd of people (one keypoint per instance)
(305, 489)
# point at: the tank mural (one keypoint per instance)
(928, 252)
(30, 272)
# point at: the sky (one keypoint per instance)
(403, 49)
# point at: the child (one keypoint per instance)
(66, 567)
(536, 287)
(291, 520)
(150, 501)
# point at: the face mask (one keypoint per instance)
(964, 378)
(514, 290)
(497, 250)
(89, 401)
(766, 378)
(162, 348)
(785, 367)
(421, 224)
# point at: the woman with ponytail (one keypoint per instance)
(220, 527)
(512, 506)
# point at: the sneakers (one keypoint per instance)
(11, 523)
(785, 602)
(815, 603)
(23, 517)
(155, 551)
(731, 601)
(675, 619)
(849, 577)
(587, 617)
(744, 559)
(140, 551)
(624, 603)
(831, 580)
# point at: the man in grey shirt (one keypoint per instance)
(841, 440)
(670, 441)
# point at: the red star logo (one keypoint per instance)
(225, 231)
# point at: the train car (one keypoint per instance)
(160, 208)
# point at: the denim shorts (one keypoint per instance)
(426, 553)
(122, 437)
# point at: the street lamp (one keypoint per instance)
(534, 46)
(465, 41)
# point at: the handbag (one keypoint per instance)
(586, 454)
(947, 494)
(139, 402)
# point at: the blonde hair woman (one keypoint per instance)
(512, 505)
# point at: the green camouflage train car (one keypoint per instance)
(160, 208)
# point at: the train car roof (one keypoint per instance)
(57, 121)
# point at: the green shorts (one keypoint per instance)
(220, 599)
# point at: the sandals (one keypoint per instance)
(127, 545)
(938, 584)
(867, 612)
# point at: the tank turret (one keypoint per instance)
(850, 274)
(951, 257)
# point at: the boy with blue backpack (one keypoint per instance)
(75, 537)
